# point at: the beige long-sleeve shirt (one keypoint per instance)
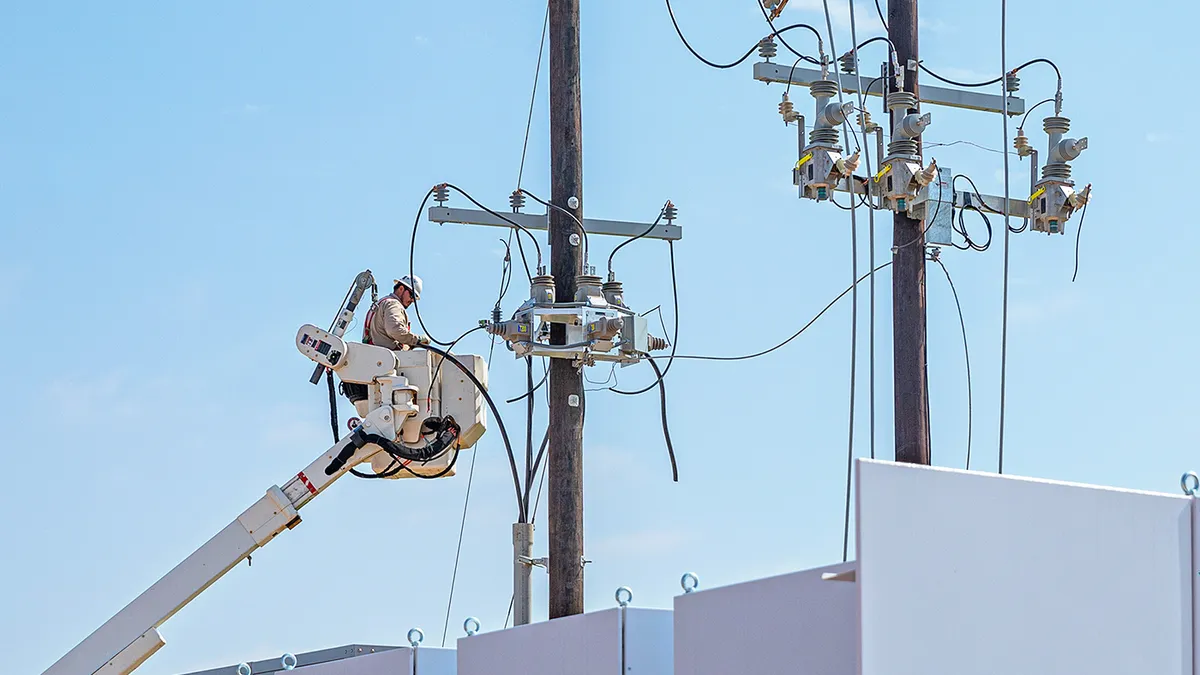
(389, 325)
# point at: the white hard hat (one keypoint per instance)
(412, 283)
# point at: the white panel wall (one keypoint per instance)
(795, 623)
(586, 644)
(975, 574)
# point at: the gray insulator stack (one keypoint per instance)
(823, 91)
(670, 213)
(440, 194)
(767, 48)
(901, 102)
(516, 200)
(1056, 126)
(1011, 82)
(847, 63)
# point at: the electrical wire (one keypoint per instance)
(793, 336)
(438, 368)
(662, 394)
(1078, 234)
(510, 221)
(512, 460)
(1035, 105)
(774, 33)
(923, 67)
(635, 237)
(530, 392)
(929, 222)
(967, 356)
(820, 46)
(1007, 234)
(537, 72)
(582, 232)
(462, 526)
(674, 338)
(411, 259)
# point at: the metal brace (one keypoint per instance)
(533, 562)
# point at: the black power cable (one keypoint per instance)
(1078, 234)
(774, 33)
(582, 232)
(674, 338)
(635, 237)
(662, 394)
(512, 460)
(967, 355)
(794, 335)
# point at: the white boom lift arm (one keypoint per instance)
(400, 389)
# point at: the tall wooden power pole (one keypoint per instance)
(566, 382)
(908, 275)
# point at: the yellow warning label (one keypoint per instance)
(1041, 191)
(882, 171)
(803, 160)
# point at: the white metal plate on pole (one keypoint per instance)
(953, 98)
(793, 623)
(583, 644)
(973, 574)
(535, 221)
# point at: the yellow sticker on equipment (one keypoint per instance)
(803, 160)
(1041, 191)
(882, 171)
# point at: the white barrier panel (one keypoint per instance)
(598, 643)
(794, 623)
(978, 574)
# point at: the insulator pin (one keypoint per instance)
(847, 63)
(788, 110)
(516, 200)
(656, 344)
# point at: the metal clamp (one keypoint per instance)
(288, 661)
(471, 626)
(244, 669)
(533, 562)
(689, 582)
(624, 596)
(415, 637)
(1190, 483)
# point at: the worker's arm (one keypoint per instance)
(396, 326)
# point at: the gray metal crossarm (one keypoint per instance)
(534, 221)
(954, 98)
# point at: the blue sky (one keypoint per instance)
(185, 185)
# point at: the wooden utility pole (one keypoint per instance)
(566, 382)
(908, 275)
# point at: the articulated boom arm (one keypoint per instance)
(131, 636)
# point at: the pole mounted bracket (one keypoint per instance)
(533, 562)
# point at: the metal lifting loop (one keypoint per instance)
(1190, 482)
(415, 636)
(689, 582)
(471, 626)
(624, 596)
(288, 661)
(243, 669)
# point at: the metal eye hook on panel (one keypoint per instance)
(244, 669)
(690, 582)
(471, 626)
(624, 596)
(415, 637)
(288, 661)
(1190, 483)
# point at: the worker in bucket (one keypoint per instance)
(386, 325)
